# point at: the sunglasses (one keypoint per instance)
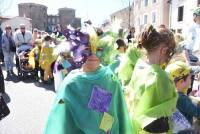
(22, 28)
(171, 52)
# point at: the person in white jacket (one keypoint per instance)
(22, 36)
(23, 41)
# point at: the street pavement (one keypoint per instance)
(29, 102)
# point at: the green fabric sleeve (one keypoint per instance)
(126, 66)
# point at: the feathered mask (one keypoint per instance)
(85, 42)
(79, 45)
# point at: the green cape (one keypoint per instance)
(154, 94)
(70, 113)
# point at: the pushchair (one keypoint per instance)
(22, 58)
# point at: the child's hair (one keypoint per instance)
(178, 38)
(120, 43)
(47, 38)
(150, 38)
(178, 71)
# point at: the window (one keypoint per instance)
(154, 1)
(145, 19)
(53, 20)
(113, 18)
(179, 30)
(180, 13)
(49, 20)
(145, 3)
(139, 4)
(153, 17)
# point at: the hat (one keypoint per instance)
(197, 11)
(178, 70)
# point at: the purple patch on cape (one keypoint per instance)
(100, 99)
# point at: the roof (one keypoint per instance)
(33, 4)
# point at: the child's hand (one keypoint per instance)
(65, 71)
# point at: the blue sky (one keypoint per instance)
(95, 10)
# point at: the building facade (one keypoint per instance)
(36, 12)
(154, 12)
(53, 20)
(67, 17)
(126, 17)
(181, 14)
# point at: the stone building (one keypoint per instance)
(154, 12)
(67, 16)
(76, 22)
(181, 16)
(53, 20)
(125, 16)
(36, 12)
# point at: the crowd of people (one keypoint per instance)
(108, 82)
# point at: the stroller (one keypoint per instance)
(22, 64)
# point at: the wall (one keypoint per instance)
(37, 12)
(123, 16)
(187, 15)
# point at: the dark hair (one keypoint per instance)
(150, 39)
(99, 31)
(194, 17)
(120, 43)
(47, 38)
(8, 27)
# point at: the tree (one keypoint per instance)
(5, 5)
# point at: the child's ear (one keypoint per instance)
(164, 50)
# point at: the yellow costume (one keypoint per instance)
(45, 61)
(34, 54)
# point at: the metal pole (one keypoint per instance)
(129, 14)
(170, 13)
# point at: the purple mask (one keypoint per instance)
(79, 45)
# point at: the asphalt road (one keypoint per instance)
(29, 102)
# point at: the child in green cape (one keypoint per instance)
(90, 100)
(153, 93)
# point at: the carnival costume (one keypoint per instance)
(154, 97)
(89, 103)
